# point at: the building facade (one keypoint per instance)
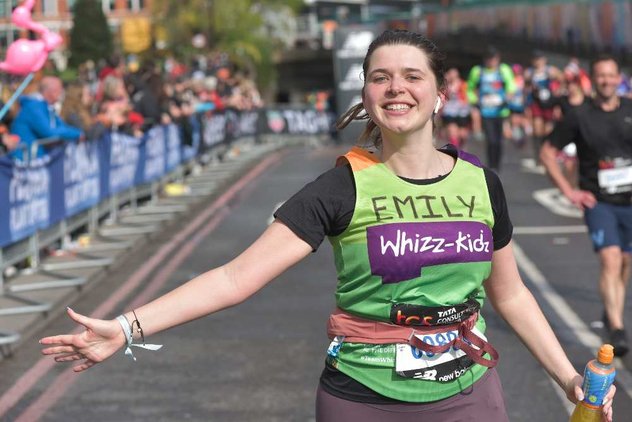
(57, 16)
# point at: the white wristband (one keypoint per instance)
(129, 337)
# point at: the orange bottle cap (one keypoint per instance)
(605, 354)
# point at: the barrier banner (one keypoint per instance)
(153, 152)
(25, 192)
(297, 122)
(240, 124)
(231, 125)
(6, 173)
(122, 155)
(76, 176)
(249, 123)
(81, 176)
(214, 129)
(55, 166)
(172, 138)
(190, 151)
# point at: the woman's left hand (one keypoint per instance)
(607, 404)
(575, 394)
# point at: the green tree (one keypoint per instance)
(234, 26)
(90, 36)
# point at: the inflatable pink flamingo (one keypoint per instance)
(27, 56)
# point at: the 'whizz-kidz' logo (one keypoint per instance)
(399, 251)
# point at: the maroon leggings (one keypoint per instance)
(483, 401)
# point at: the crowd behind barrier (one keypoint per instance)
(74, 177)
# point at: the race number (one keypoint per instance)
(491, 100)
(615, 180)
(411, 362)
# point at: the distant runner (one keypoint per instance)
(602, 130)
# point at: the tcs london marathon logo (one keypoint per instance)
(276, 122)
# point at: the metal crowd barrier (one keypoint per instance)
(51, 275)
(212, 147)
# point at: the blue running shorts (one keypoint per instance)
(610, 225)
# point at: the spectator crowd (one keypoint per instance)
(123, 96)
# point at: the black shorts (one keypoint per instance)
(460, 121)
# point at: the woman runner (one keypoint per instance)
(421, 237)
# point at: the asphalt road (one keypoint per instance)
(260, 361)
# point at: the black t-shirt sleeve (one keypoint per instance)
(503, 229)
(322, 208)
(565, 130)
(325, 207)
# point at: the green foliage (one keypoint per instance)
(181, 20)
(90, 36)
(295, 5)
(68, 75)
(233, 26)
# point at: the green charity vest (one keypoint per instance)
(428, 245)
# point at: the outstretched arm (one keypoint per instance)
(580, 198)
(516, 305)
(276, 250)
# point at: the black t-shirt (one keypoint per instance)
(565, 105)
(325, 207)
(604, 141)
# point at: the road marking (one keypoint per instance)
(567, 315)
(530, 165)
(557, 203)
(549, 229)
(30, 378)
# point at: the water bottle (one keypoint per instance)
(598, 377)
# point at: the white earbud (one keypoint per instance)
(438, 106)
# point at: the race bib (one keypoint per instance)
(615, 180)
(544, 94)
(411, 362)
(491, 100)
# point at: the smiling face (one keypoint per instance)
(400, 90)
(606, 78)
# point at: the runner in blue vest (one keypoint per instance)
(421, 238)
(489, 87)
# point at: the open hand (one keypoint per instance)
(582, 199)
(100, 340)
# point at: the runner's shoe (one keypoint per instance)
(619, 341)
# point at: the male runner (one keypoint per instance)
(602, 130)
